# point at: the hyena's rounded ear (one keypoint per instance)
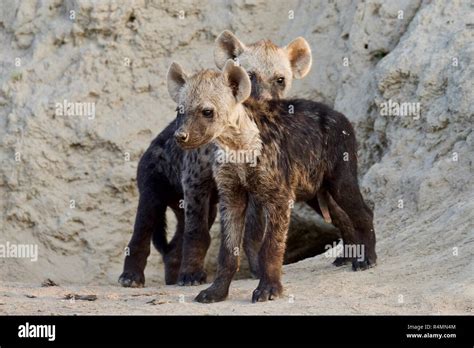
(227, 47)
(299, 54)
(238, 80)
(175, 80)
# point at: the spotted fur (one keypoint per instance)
(182, 180)
(305, 148)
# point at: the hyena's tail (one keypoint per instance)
(158, 237)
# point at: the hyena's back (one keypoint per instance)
(308, 135)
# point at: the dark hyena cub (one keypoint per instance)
(168, 176)
(301, 147)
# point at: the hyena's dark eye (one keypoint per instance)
(208, 113)
(281, 80)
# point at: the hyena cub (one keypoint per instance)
(168, 176)
(303, 148)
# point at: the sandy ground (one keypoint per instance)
(312, 286)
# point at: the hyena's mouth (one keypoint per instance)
(194, 143)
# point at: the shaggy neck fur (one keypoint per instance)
(241, 134)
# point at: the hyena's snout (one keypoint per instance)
(181, 136)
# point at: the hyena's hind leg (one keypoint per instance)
(150, 219)
(323, 199)
(345, 194)
(348, 233)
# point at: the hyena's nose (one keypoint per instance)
(181, 137)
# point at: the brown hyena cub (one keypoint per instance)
(272, 152)
(169, 177)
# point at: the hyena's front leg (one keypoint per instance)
(272, 251)
(150, 219)
(198, 186)
(232, 209)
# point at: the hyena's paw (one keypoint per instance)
(132, 279)
(341, 261)
(192, 278)
(267, 291)
(362, 264)
(212, 294)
